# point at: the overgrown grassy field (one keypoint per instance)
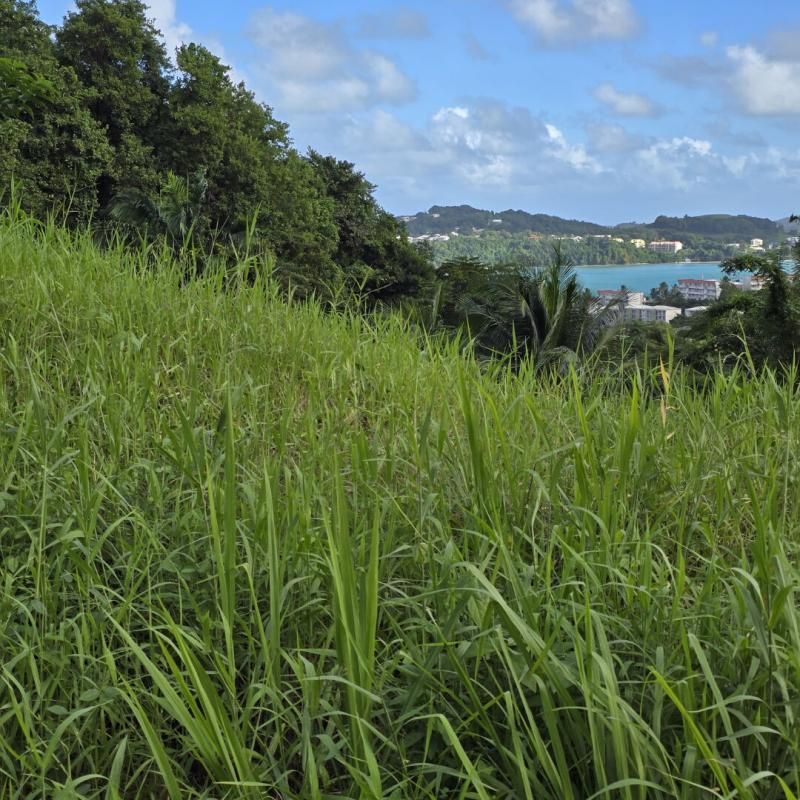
(251, 549)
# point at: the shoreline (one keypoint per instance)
(645, 264)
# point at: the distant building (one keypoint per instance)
(430, 237)
(756, 243)
(620, 295)
(651, 313)
(670, 248)
(640, 244)
(693, 311)
(699, 289)
(793, 240)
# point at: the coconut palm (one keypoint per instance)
(174, 214)
(544, 315)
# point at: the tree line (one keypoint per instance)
(98, 122)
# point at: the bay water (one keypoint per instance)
(644, 277)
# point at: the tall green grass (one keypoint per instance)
(253, 549)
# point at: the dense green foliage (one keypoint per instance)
(98, 123)
(251, 549)
(524, 248)
(498, 248)
(724, 227)
(764, 324)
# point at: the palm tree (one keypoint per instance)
(174, 214)
(544, 315)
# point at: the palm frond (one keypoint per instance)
(133, 207)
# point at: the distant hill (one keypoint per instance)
(713, 226)
(466, 219)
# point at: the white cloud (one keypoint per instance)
(629, 105)
(709, 39)
(678, 163)
(574, 155)
(605, 138)
(472, 148)
(763, 85)
(570, 21)
(315, 68)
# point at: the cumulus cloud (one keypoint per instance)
(678, 163)
(574, 155)
(315, 68)
(628, 105)
(401, 23)
(494, 155)
(764, 85)
(555, 22)
(604, 138)
(471, 149)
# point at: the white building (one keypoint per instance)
(670, 248)
(619, 295)
(699, 289)
(756, 243)
(640, 244)
(651, 313)
(694, 311)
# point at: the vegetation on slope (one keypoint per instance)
(253, 549)
(97, 121)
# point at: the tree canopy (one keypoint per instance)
(96, 118)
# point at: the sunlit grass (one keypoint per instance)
(253, 549)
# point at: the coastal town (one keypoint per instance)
(635, 306)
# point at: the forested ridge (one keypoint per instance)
(465, 219)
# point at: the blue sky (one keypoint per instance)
(609, 110)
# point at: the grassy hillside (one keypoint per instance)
(251, 549)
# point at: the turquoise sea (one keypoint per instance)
(644, 277)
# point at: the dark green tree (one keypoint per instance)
(118, 55)
(255, 179)
(49, 142)
(373, 248)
